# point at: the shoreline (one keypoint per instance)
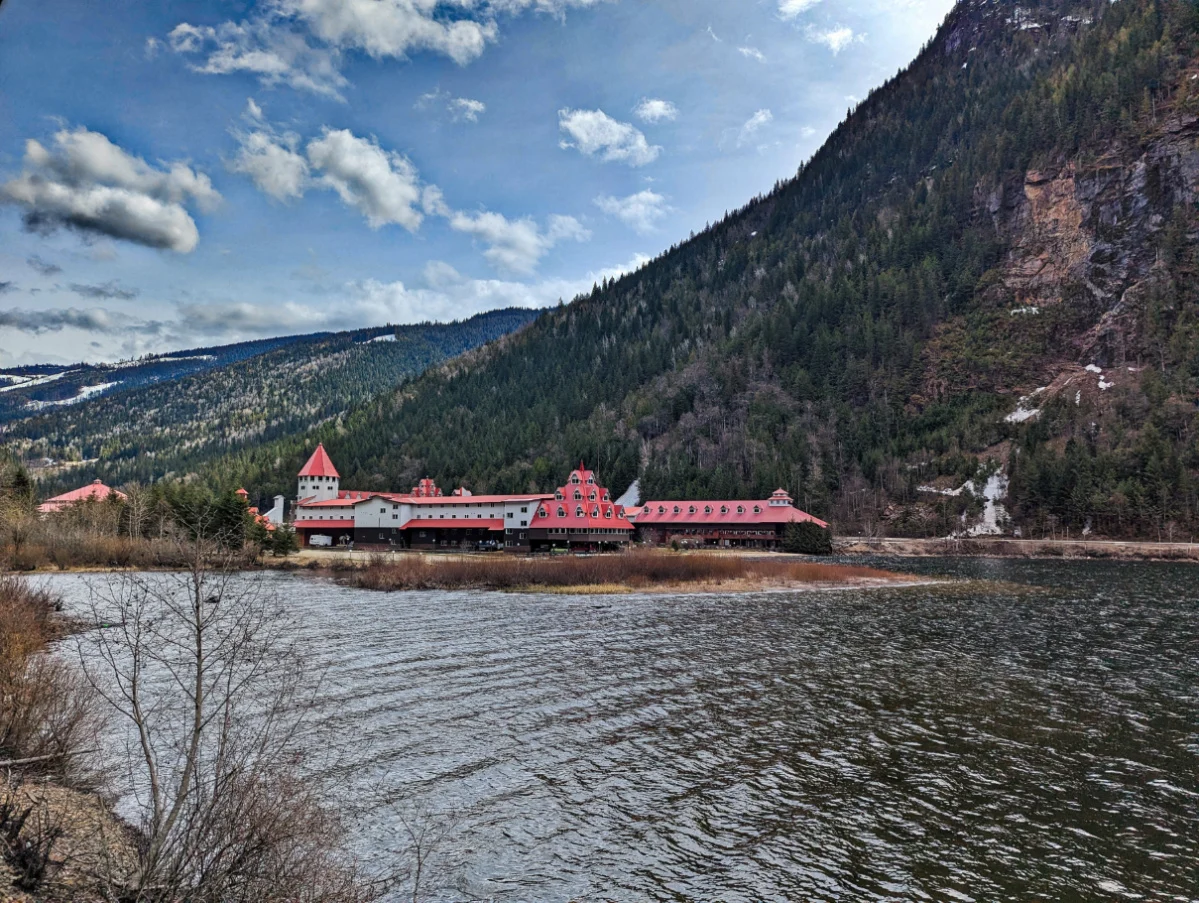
(1010, 547)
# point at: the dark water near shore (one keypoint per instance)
(1035, 739)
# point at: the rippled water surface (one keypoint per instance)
(1034, 739)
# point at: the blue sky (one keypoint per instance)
(173, 175)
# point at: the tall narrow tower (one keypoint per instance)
(319, 479)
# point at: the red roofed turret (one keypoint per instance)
(320, 465)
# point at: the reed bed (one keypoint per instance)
(631, 570)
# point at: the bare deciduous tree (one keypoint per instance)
(201, 667)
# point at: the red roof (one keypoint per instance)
(324, 525)
(319, 465)
(94, 490)
(715, 513)
(464, 524)
(592, 510)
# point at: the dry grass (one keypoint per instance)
(636, 570)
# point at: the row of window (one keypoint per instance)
(724, 509)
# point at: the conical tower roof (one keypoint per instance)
(320, 465)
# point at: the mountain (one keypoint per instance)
(41, 387)
(980, 292)
(158, 422)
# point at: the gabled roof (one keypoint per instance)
(738, 512)
(94, 490)
(320, 465)
(597, 513)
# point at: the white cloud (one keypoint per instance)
(835, 39)
(654, 110)
(790, 9)
(640, 211)
(381, 185)
(753, 125)
(595, 133)
(441, 293)
(301, 42)
(90, 184)
(463, 108)
(275, 54)
(752, 53)
(273, 163)
(517, 246)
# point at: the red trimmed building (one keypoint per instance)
(727, 524)
(422, 518)
(581, 516)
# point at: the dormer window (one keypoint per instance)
(578, 496)
(677, 509)
(606, 498)
(574, 478)
(541, 512)
(561, 511)
(591, 478)
(724, 509)
(608, 513)
(757, 509)
(578, 511)
(595, 511)
(707, 509)
(740, 509)
(691, 509)
(592, 496)
(558, 495)
(661, 509)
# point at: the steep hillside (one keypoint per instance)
(41, 387)
(169, 428)
(985, 275)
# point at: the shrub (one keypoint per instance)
(808, 538)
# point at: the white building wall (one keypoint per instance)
(318, 489)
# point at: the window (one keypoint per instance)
(382, 510)
(578, 510)
(590, 478)
(606, 498)
(592, 496)
(574, 478)
(578, 495)
(595, 511)
(608, 513)
(541, 512)
(524, 510)
(558, 494)
(524, 523)
(740, 509)
(661, 509)
(707, 509)
(677, 509)
(395, 517)
(510, 514)
(724, 509)
(691, 509)
(561, 511)
(757, 509)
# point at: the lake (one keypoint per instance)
(1034, 737)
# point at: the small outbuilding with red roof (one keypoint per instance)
(94, 491)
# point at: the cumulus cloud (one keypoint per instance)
(381, 185)
(517, 246)
(44, 267)
(301, 42)
(89, 184)
(106, 291)
(790, 9)
(596, 134)
(272, 162)
(641, 211)
(753, 125)
(93, 319)
(654, 110)
(835, 39)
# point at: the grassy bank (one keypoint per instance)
(1003, 547)
(639, 570)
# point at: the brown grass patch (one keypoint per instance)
(638, 570)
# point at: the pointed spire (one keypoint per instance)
(320, 465)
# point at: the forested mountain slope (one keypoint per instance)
(988, 271)
(170, 428)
